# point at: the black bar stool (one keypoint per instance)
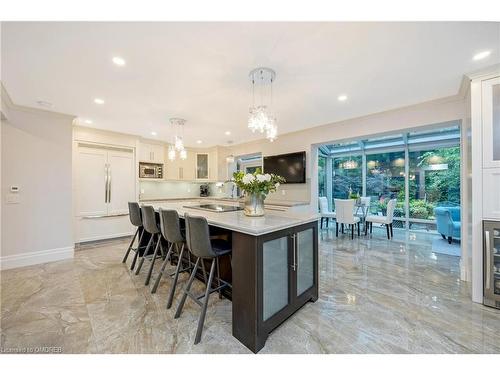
(200, 245)
(171, 231)
(151, 227)
(136, 219)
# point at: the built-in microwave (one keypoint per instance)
(150, 170)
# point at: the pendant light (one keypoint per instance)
(177, 145)
(261, 118)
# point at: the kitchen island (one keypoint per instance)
(274, 267)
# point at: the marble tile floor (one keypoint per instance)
(376, 296)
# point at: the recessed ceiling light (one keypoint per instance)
(342, 98)
(98, 101)
(198, 141)
(481, 55)
(227, 133)
(153, 133)
(118, 61)
(88, 121)
(43, 103)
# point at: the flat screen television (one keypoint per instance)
(292, 167)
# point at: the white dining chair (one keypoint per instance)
(344, 209)
(324, 211)
(385, 220)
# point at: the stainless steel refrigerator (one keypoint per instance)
(491, 259)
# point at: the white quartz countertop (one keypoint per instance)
(271, 202)
(237, 221)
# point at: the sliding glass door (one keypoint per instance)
(420, 169)
(347, 176)
(385, 180)
(434, 181)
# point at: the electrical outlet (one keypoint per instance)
(142, 191)
(283, 192)
(12, 198)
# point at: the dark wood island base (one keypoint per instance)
(274, 275)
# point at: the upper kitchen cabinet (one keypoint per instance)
(491, 122)
(202, 166)
(151, 152)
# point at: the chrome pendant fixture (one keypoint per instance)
(177, 145)
(261, 118)
(350, 164)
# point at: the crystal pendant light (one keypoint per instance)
(178, 142)
(350, 164)
(171, 153)
(261, 119)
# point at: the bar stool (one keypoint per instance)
(200, 245)
(171, 231)
(151, 227)
(136, 219)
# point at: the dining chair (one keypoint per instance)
(324, 211)
(385, 220)
(344, 209)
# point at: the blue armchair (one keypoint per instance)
(448, 222)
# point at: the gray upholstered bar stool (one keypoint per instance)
(151, 227)
(200, 245)
(136, 219)
(171, 230)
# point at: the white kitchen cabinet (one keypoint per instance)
(179, 169)
(105, 183)
(202, 166)
(491, 193)
(491, 122)
(153, 153)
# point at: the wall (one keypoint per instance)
(433, 112)
(36, 156)
(174, 189)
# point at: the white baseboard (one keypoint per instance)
(36, 257)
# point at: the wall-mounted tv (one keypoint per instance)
(292, 167)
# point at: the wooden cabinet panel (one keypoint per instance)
(152, 153)
(122, 181)
(91, 182)
(491, 193)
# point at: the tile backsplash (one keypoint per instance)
(175, 189)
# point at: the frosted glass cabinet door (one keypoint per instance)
(305, 260)
(275, 276)
(202, 166)
(491, 122)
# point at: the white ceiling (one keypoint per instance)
(199, 71)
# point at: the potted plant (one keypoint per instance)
(256, 186)
(355, 196)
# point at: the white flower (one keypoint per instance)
(277, 185)
(248, 178)
(267, 177)
(261, 178)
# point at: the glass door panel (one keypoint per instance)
(305, 260)
(275, 276)
(385, 180)
(202, 166)
(434, 182)
(347, 176)
(496, 122)
(496, 261)
(491, 122)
